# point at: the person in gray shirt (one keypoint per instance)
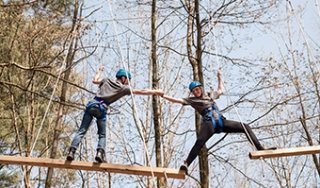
(212, 119)
(109, 92)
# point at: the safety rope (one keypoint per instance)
(137, 122)
(304, 35)
(165, 175)
(61, 69)
(235, 108)
(228, 96)
(240, 120)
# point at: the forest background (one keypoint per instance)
(267, 51)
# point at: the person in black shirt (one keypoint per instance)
(212, 119)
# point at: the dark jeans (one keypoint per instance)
(229, 126)
(97, 110)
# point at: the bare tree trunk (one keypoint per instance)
(161, 182)
(304, 124)
(26, 172)
(316, 84)
(203, 156)
(196, 63)
(297, 85)
(64, 87)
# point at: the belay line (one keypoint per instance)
(138, 125)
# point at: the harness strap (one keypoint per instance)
(102, 101)
(216, 117)
(102, 104)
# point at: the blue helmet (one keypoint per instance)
(194, 84)
(122, 72)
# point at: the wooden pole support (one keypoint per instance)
(91, 166)
(284, 152)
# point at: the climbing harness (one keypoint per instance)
(97, 107)
(214, 114)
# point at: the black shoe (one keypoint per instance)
(184, 167)
(271, 148)
(100, 156)
(71, 153)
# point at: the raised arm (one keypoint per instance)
(148, 92)
(174, 100)
(97, 78)
(220, 83)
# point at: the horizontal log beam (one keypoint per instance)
(91, 166)
(285, 152)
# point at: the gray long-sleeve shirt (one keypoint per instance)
(110, 90)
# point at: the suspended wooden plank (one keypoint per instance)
(91, 166)
(284, 152)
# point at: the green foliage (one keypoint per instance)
(8, 179)
(33, 40)
(29, 50)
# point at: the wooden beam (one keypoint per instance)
(284, 152)
(91, 166)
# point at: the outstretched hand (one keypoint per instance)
(158, 92)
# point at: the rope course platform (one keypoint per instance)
(285, 152)
(91, 166)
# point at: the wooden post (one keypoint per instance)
(91, 166)
(284, 152)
